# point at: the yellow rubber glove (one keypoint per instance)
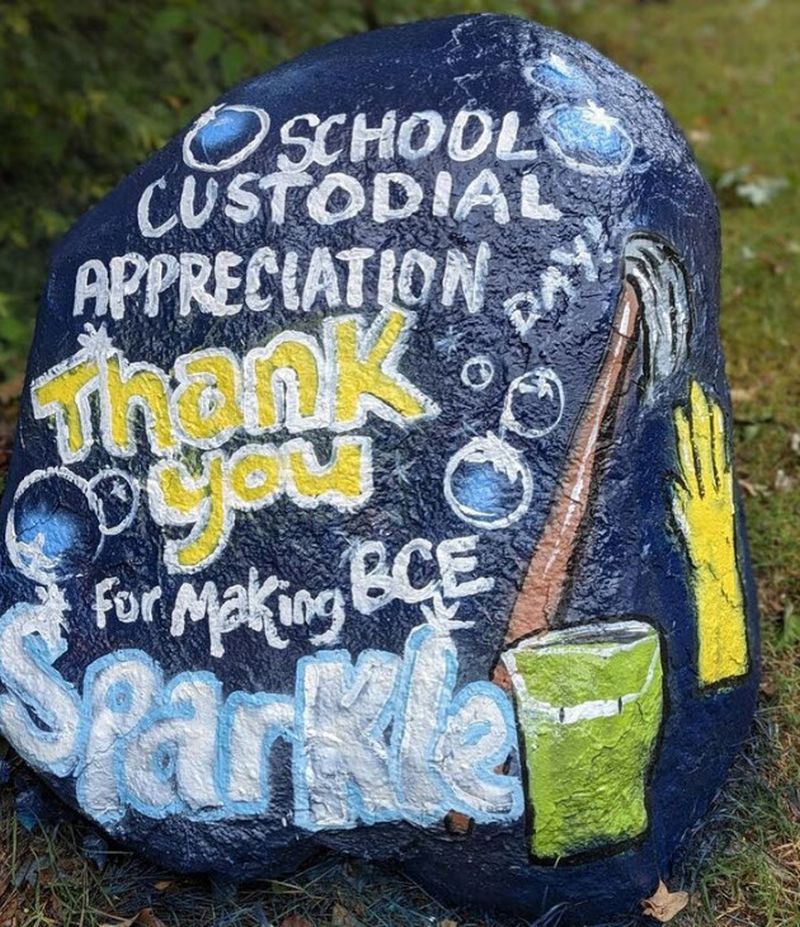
(703, 504)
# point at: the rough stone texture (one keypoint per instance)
(217, 639)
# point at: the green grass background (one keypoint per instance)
(89, 89)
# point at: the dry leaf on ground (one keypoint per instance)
(144, 918)
(341, 917)
(148, 919)
(294, 920)
(127, 922)
(664, 904)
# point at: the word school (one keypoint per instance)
(342, 137)
(381, 738)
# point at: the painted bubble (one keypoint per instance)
(534, 403)
(487, 483)
(117, 498)
(224, 136)
(587, 138)
(560, 76)
(53, 532)
(478, 372)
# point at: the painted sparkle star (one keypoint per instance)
(597, 116)
(120, 490)
(33, 554)
(54, 605)
(351, 545)
(96, 342)
(449, 343)
(401, 471)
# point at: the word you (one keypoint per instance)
(295, 382)
(381, 738)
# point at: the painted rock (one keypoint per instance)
(373, 487)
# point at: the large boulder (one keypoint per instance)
(373, 484)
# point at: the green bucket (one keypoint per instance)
(589, 703)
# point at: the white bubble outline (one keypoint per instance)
(232, 160)
(509, 421)
(115, 473)
(478, 359)
(502, 447)
(582, 167)
(12, 545)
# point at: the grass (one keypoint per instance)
(728, 73)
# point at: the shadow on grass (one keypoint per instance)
(60, 870)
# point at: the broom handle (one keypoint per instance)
(547, 574)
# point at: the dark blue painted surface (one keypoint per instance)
(630, 562)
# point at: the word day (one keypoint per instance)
(295, 382)
(381, 738)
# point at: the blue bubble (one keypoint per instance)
(485, 491)
(560, 77)
(226, 136)
(488, 484)
(56, 531)
(56, 534)
(588, 138)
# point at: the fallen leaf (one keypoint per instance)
(664, 904)
(736, 175)
(162, 885)
(458, 823)
(742, 394)
(144, 918)
(448, 923)
(761, 190)
(768, 689)
(126, 922)
(294, 920)
(793, 801)
(698, 136)
(783, 482)
(753, 489)
(341, 917)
